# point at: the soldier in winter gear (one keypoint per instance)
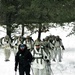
(39, 64)
(58, 48)
(30, 43)
(7, 48)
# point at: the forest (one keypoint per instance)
(36, 15)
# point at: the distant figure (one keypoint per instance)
(23, 58)
(7, 48)
(14, 45)
(58, 49)
(30, 43)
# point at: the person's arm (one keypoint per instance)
(30, 57)
(63, 48)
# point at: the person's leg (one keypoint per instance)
(7, 54)
(27, 70)
(55, 54)
(35, 71)
(59, 54)
(21, 70)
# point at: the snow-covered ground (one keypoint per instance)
(66, 67)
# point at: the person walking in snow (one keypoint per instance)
(7, 48)
(30, 43)
(39, 64)
(58, 49)
(23, 58)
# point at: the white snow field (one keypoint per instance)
(66, 67)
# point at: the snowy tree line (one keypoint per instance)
(32, 14)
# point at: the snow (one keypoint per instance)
(2, 32)
(6, 68)
(66, 67)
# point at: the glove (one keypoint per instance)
(63, 48)
(47, 61)
(45, 57)
(16, 44)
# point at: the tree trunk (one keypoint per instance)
(39, 32)
(8, 23)
(22, 29)
(8, 31)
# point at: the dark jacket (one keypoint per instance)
(23, 58)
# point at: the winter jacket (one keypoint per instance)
(23, 58)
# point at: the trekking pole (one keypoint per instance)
(32, 71)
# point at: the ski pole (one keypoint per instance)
(15, 73)
(32, 71)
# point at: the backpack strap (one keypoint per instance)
(38, 57)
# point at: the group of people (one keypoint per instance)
(54, 46)
(35, 55)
